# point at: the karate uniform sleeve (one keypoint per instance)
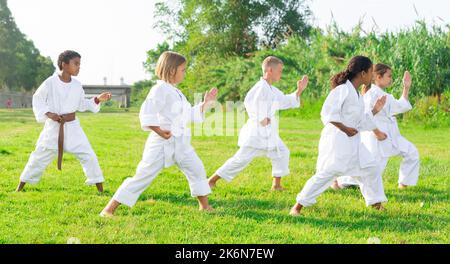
(369, 101)
(197, 115)
(331, 109)
(287, 101)
(257, 103)
(40, 106)
(400, 106)
(88, 104)
(368, 123)
(153, 104)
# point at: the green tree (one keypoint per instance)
(230, 27)
(21, 65)
(153, 55)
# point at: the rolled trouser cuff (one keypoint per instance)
(224, 175)
(124, 196)
(200, 188)
(94, 181)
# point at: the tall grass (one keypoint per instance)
(423, 50)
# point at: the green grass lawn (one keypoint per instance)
(61, 206)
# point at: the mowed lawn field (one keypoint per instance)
(62, 208)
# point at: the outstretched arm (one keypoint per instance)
(292, 100)
(93, 104)
(301, 85)
(198, 111)
(402, 105)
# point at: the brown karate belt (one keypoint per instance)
(64, 118)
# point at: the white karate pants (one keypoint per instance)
(154, 160)
(240, 160)
(369, 184)
(42, 157)
(408, 173)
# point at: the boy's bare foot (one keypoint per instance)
(335, 186)
(402, 186)
(296, 209)
(99, 187)
(276, 184)
(20, 186)
(379, 207)
(213, 181)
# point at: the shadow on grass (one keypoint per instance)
(419, 194)
(262, 210)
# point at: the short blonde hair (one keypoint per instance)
(167, 65)
(271, 62)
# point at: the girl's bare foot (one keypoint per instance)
(213, 181)
(110, 208)
(378, 206)
(203, 203)
(106, 214)
(402, 186)
(335, 186)
(20, 186)
(296, 209)
(99, 187)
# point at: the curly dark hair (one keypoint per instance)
(356, 65)
(66, 56)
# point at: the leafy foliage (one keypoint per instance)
(423, 50)
(21, 65)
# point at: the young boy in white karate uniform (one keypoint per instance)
(395, 144)
(167, 113)
(55, 103)
(259, 136)
(340, 149)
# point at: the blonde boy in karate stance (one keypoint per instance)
(55, 103)
(166, 113)
(395, 144)
(259, 136)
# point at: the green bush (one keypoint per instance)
(422, 50)
(430, 111)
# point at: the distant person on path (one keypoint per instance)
(9, 103)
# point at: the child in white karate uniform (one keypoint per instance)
(259, 136)
(167, 113)
(340, 149)
(55, 103)
(395, 144)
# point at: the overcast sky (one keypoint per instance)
(114, 35)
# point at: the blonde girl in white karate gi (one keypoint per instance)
(55, 103)
(340, 149)
(395, 144)
(167, 113)
(259, 136)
